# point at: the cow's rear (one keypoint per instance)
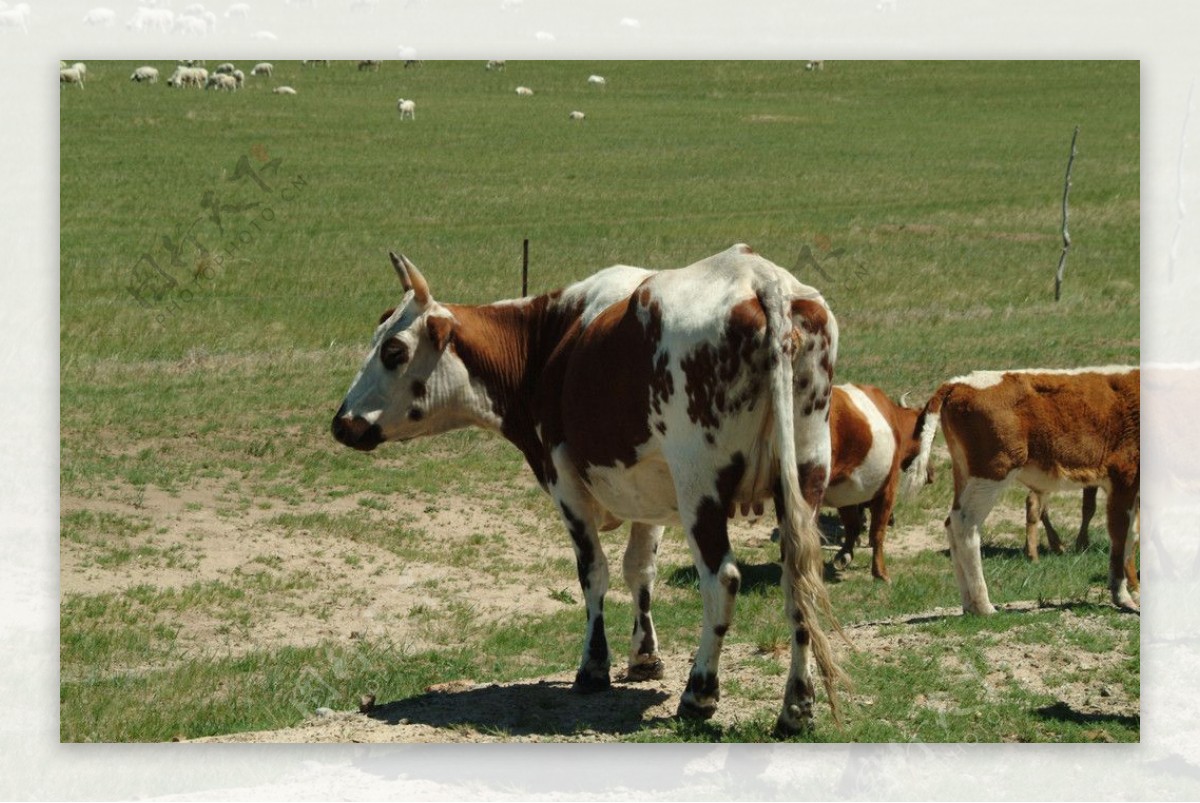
(1050, 430)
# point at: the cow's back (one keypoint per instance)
(1076, 427)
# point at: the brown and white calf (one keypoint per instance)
(1050, 430)
(670, 397)
(873, 440)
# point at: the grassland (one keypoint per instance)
(217, 545)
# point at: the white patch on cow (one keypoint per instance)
(869, 476)
(1039, 480)
(603, 289)
(981, 380)
(977, 499)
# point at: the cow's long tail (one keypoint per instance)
(926, 427)
(799, 538)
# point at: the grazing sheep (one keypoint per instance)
(148, 74)
(70, 76)
(371, 65)
(496, 64)
(408, 109)
(240, 77)
(16, 17)
(315, 63)
(283, 90)
(576, 115)
(226, 68)
(222, 81)
(79, 65)
(263, 68)
(188, 76)
(524, 91)
(597, 80)
(100, 16)
(160, 19)
(62, 65)
(190, 63)
(817, 65)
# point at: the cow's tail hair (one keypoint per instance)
(925, 428)
(799, 538)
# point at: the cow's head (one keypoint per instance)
(411, 383)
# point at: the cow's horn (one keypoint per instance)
(411, 278)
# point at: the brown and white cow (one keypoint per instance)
(873, 440)
(1050, 430)
(657, 398)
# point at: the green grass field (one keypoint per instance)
(201, 361)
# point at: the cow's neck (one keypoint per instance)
(504, 347)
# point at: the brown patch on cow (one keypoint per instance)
(712, 372)
(386, 315)
(441, 331)
(813, 317)
(813, 480)
(604, 376)
(711, 531)
(850, 436)
(419, 389)
(1082, 427)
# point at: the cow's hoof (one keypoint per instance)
(589, 683)
(843, 560)
(793, 722)
(690, 709)
(647, 671)
(883, 578)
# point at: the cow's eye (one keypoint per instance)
(393, 353)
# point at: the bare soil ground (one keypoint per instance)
(362, 590)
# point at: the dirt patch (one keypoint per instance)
(545, 709)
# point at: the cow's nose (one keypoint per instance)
(356, 432)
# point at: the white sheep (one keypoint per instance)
(576, 115)
(188, 76)
(161, 19)
(524, 91)
(816, 64)
(283, 90)
(263, 68)
(226, 68)
(148, 74)
(79, 65)
(496, 64)
(70, 76)
(100, 16)
(16, 17)
(407, 109)
(222, 81)
(597, 80)
(240, 77)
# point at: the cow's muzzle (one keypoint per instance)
(356, 432)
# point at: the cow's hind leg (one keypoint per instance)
(971, 506)
(881, 514)
(706, 525)
(640, 572)
(1082, 541)
(1035, 514)
(852, 525)
(1123, 538)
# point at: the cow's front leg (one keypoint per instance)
(640, 571)
(706, 525)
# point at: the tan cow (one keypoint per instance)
(1050, 430)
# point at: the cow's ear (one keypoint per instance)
(441, 331)
(411, 279)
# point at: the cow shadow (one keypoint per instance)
(1063, 712)
(543, 708)
(755, 576)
